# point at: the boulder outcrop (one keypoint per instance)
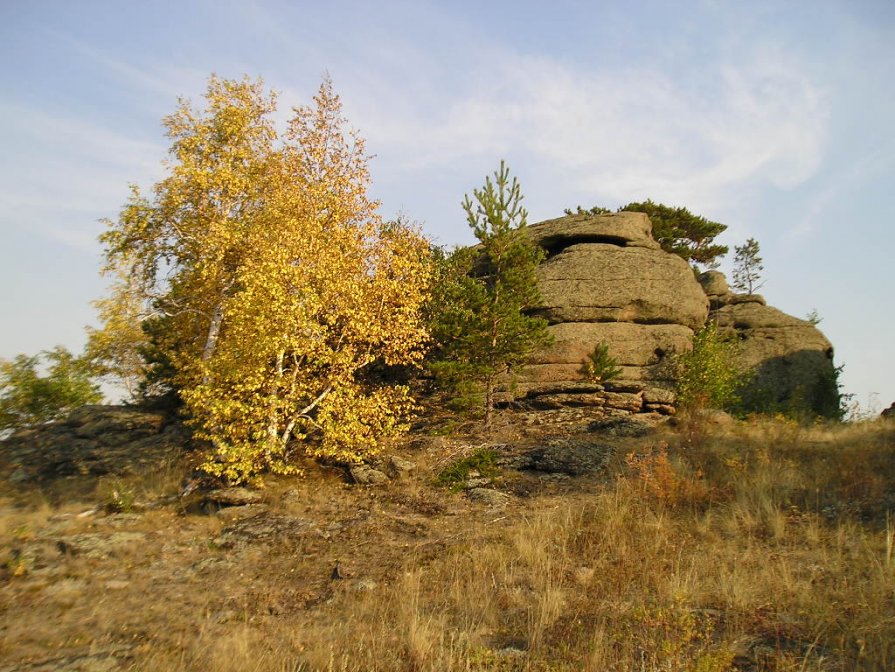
(601, 282)
(606, 280)
(791, 360)
(714, 284)
(92, 441)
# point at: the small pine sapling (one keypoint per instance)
(481, 325)
(600, 367)
(747, 267)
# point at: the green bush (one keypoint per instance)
(28, 398)
(596, 210)
(484, 461)
(708, 376)
(600, 366)
(818, 397)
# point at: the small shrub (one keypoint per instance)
(600, 366)
(674, 637)
(708, 376)
(665, 482)
(483, 461)
(118, 496)
(18, 564)
(596, 210)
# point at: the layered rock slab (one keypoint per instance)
(640, 350)
(605, 280)
(630, 344)
(601, 282)
(622, 229)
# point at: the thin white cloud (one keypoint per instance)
(842, 181)
(163, 82)
(618, 134)
(72, 174)
(623, 133)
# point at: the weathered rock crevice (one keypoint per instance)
(556, 245)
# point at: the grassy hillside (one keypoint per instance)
(740, 546)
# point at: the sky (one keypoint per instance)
(774, 118)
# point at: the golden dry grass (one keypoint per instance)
(763, 546)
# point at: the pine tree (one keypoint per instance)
(677, 230)
(600, 367)
(747, 267)
(683, 233)
(480, 327)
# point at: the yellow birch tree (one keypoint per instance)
(282, 284)
(115, 351)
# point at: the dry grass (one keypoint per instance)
(767, 546)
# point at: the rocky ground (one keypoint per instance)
(109, 554)
(566, 540)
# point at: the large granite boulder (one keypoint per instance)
(624, 229)
(791, 360)
(599, 282)
(714, 284)
(605, 280)
(93, 441)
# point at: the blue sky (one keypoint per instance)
(773, 118)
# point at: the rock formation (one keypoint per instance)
(606, 280)
(608, 268)
(92, 441)
(791, 359)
